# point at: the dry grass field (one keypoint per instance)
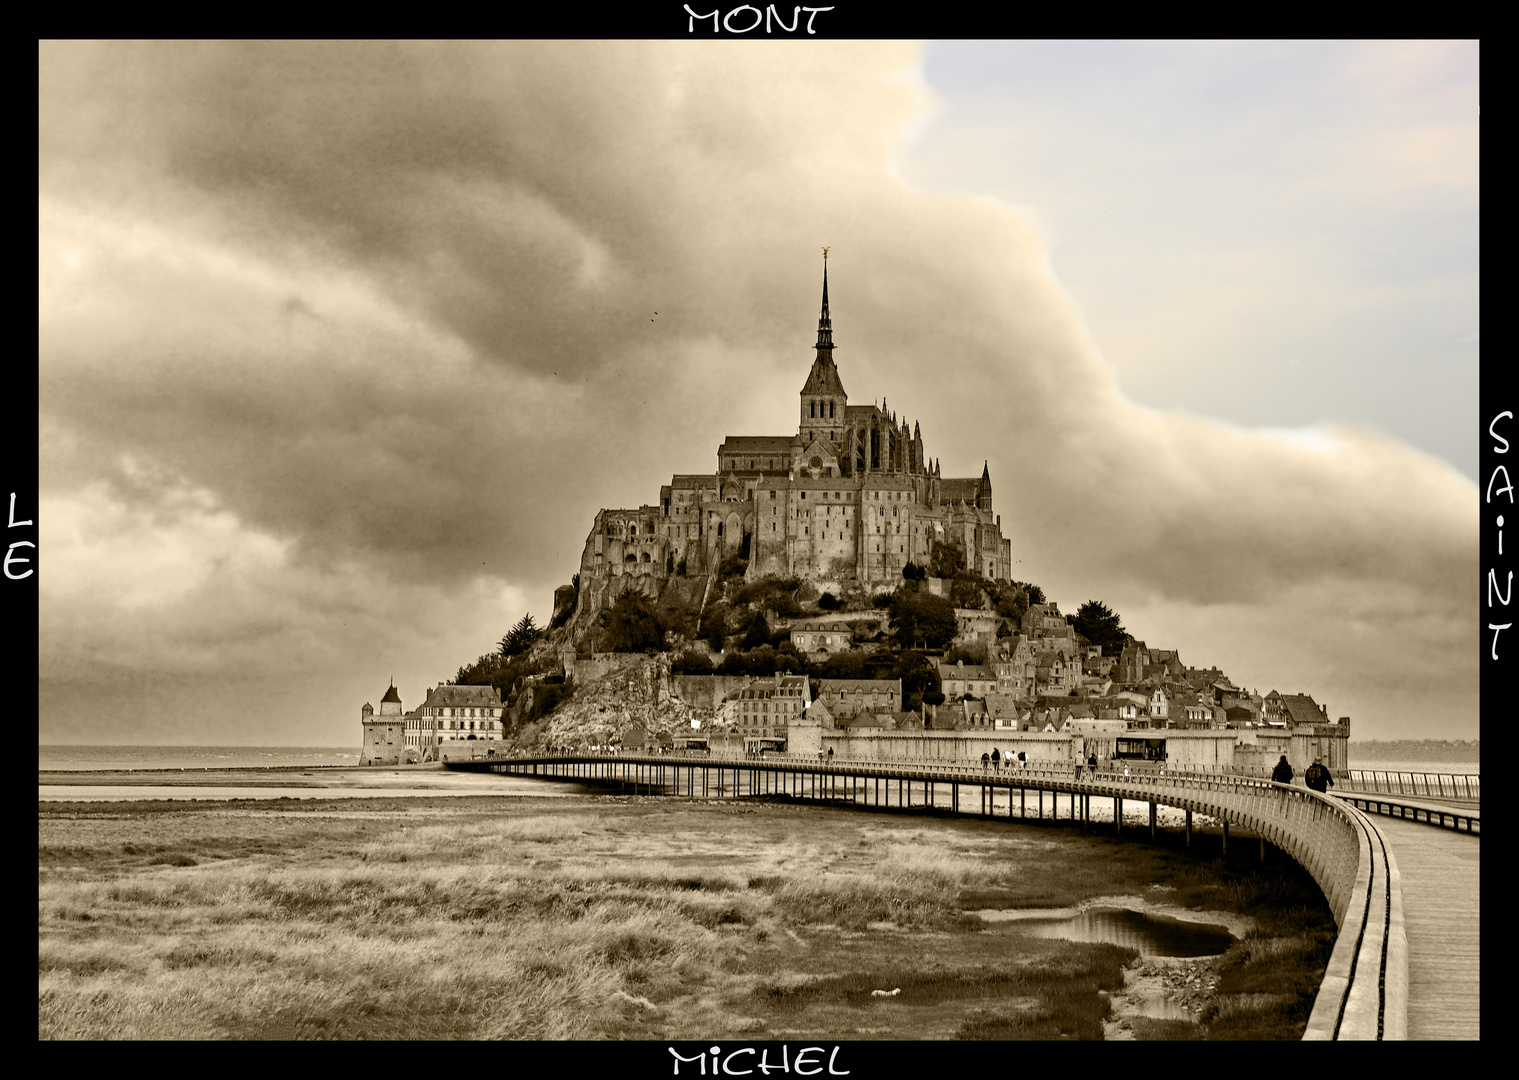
(615, 918)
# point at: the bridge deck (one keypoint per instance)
(1441, 914)
(1440, 813)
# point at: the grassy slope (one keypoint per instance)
(618, 918)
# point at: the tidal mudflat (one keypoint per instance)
(627, 917)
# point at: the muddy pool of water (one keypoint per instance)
(1148, 933)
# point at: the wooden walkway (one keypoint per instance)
(1441, 914)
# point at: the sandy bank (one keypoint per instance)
(431, 777)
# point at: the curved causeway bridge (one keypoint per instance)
(1366, 989)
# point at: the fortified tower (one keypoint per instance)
(385, 733)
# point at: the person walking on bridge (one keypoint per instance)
(1318, 777)
(1282, 774)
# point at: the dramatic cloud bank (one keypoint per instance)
(342, 346)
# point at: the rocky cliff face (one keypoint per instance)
(598, 712)
(598, 593)
(565, 599)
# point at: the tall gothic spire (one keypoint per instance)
(825, 324)
(824, 402)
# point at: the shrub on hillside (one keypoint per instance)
(971, 654)
(787, 608)
(946, 561)
(921, 617)
(691, 663)
(714, 626)
(631, 625)
(965, 591)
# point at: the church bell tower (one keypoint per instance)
(823, 396)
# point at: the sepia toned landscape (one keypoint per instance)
(651, 918)
(620, 540)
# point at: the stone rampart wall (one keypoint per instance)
(951, 747)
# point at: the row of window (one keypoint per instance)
(454, 725)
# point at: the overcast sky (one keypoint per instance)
(341, 347)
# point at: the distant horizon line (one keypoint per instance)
(297, 746)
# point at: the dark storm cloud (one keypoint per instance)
(321, 319)
(516, 200)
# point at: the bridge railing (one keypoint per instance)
(1428, 784)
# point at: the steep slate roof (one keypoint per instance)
(966, 671)
(862, 720)
(791, 682)
(1302, 709)
(824, 377)
(462, 695)
(757, 444)
(960, 489)
(391, 696)
(860, 686)
(1003, 706)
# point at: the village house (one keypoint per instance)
(454, 714)
(850, 697)
(1056, 673)
(819, 639)
(959, 679)
(766, 707)
(1016, 665)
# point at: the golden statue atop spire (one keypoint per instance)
(825, 253)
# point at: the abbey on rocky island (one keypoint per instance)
(852, 496)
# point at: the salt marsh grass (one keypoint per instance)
(604, 918)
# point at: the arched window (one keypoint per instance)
(812, 409)
(830, 410)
